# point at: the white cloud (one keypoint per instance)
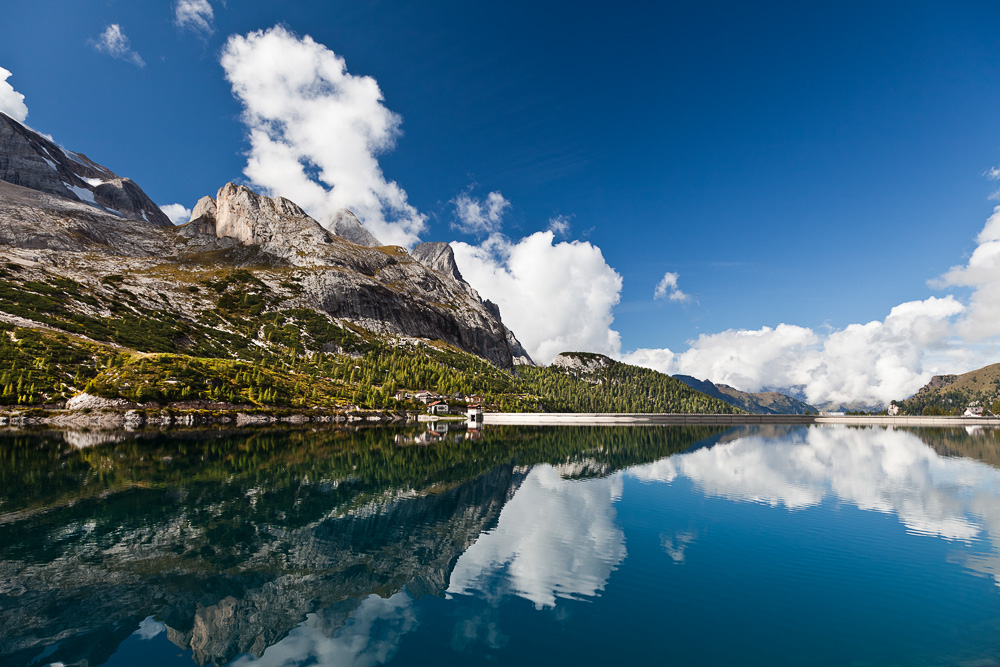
(667, 289)
(479, 216)
(114, 43)
(993, 173)
(556, 538)
(11, 101)
(555, 297)
(194, 15)
(315, 131)
(872, 363)
(178, 213)
(982, 273)
(559, 225)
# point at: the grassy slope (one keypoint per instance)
(981, 385)
(244, 347)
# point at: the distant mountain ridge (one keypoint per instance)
(759, 403)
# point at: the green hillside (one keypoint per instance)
(248, 350)
(951, 394)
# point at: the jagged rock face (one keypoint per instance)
(583, 362)
(30, 160)
(251, 219)
(346, 225)
(204, 207)
(439, 256)
(521, 356)
(382, 289)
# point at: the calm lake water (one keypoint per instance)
(514, 545)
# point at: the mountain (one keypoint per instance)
(951, 394)
(79, 221)
(759, 403)
(35, 162)
(91, 270)
(254, 303)
(346, 225)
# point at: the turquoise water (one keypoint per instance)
(569, 545)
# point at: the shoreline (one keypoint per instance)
(132, 418)
(611, 419)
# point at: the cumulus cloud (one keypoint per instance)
(559, 225)
(194, 15)
(11, 101)
(315, 132)
(479, 216)
(556, 297)
(178, 213)
(668, 289)
(982, 273)
(869, 363)
(114, 43)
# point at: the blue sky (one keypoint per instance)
(797, 163)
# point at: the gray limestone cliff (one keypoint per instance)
(582, 362)
(33, 161)
(440, 257)
(345, 225)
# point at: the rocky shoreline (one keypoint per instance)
(204, 413)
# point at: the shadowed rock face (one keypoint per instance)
(440, 257)
(30, 160)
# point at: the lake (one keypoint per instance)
(692, 545)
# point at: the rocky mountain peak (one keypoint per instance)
(204, 207)
(439, 256)
(33, 161)
(253, 219)
(347, 226)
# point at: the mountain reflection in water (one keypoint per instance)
(296, 546)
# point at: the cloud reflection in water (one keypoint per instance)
(890, 471)
(556, 538)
